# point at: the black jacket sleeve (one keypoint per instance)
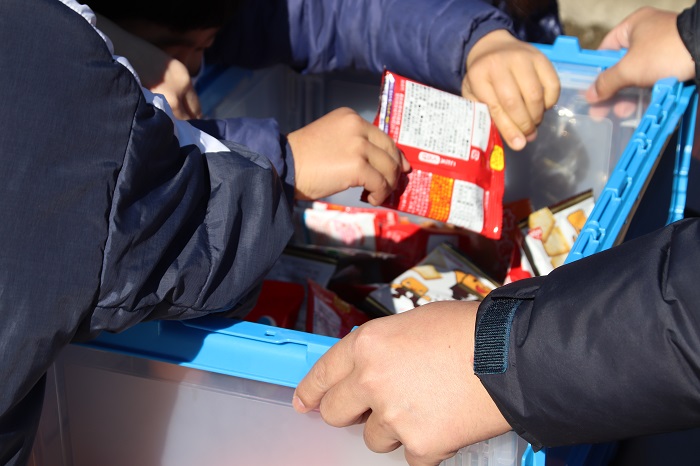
(604, 348)
(688, 24)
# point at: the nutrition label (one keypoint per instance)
(428, 122)
(466, 209)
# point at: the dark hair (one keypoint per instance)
(177, 15)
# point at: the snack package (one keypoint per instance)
(329, 315)
(297, 267)
(371, 229)
(278, 304)
(444, 275)
(455, 152)
(551, 231)
(326, 224)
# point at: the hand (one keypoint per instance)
(410, 377)
(157, 71)
(342, 150)
(655, 51)
(176, 86)
(515, 80)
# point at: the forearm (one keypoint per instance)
(427, 41)
(261, 135)
(604, 348)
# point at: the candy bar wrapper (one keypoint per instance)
(329, 315)
(444, 275)
(455, 152)
(550, 232)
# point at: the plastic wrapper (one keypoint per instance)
(444, 275)
(329, 315)
(455, 152)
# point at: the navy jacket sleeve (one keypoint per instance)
(261, 135)
(112, 212)
(607, 347)
(426, 40)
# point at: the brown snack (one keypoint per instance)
(577, 219)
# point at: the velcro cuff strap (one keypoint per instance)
(493, 336)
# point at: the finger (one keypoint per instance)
(550, 82)
(192, 103)
(377, 437)
(387, 165)
(345, 404)
(379, 176)
(512, 93)
(532, 92)
(333, 367)
(382, 140)
(616, 39)
(625, 108)
(608, 83)
(510, 131)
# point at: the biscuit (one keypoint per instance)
(556, 244)
(577, 219)
(542, 219)
(428, 272)
(558, 260)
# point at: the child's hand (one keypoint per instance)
(515, 80)
(648, 33)
(341, 150)
(157, 71)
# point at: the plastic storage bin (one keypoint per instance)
(213, 391)
(208, 392)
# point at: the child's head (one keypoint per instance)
(181, 28)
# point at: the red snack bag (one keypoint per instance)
(329, 315)
(278, 304)
(455, 152)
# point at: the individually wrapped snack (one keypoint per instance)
(278, 304)
(329, 315)
(550, 232)
(455, 153)
(326, 224)
(444, 275)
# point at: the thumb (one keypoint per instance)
(607, 84)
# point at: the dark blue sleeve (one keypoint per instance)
(261, 135)
(110, 212)
(425, 40)
(604, 348)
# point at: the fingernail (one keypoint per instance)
(298, 404)
(518, 143)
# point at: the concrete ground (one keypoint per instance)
(589, 20)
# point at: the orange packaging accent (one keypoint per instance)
(455, 152)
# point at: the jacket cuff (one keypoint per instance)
(493, 340)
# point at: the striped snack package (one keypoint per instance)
(455, 152)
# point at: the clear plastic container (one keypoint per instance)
(110, 409)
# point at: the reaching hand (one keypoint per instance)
(655, 51)
(342, 150)
(157, 71)
(515, 80)
(176, 86)
(410, 377)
